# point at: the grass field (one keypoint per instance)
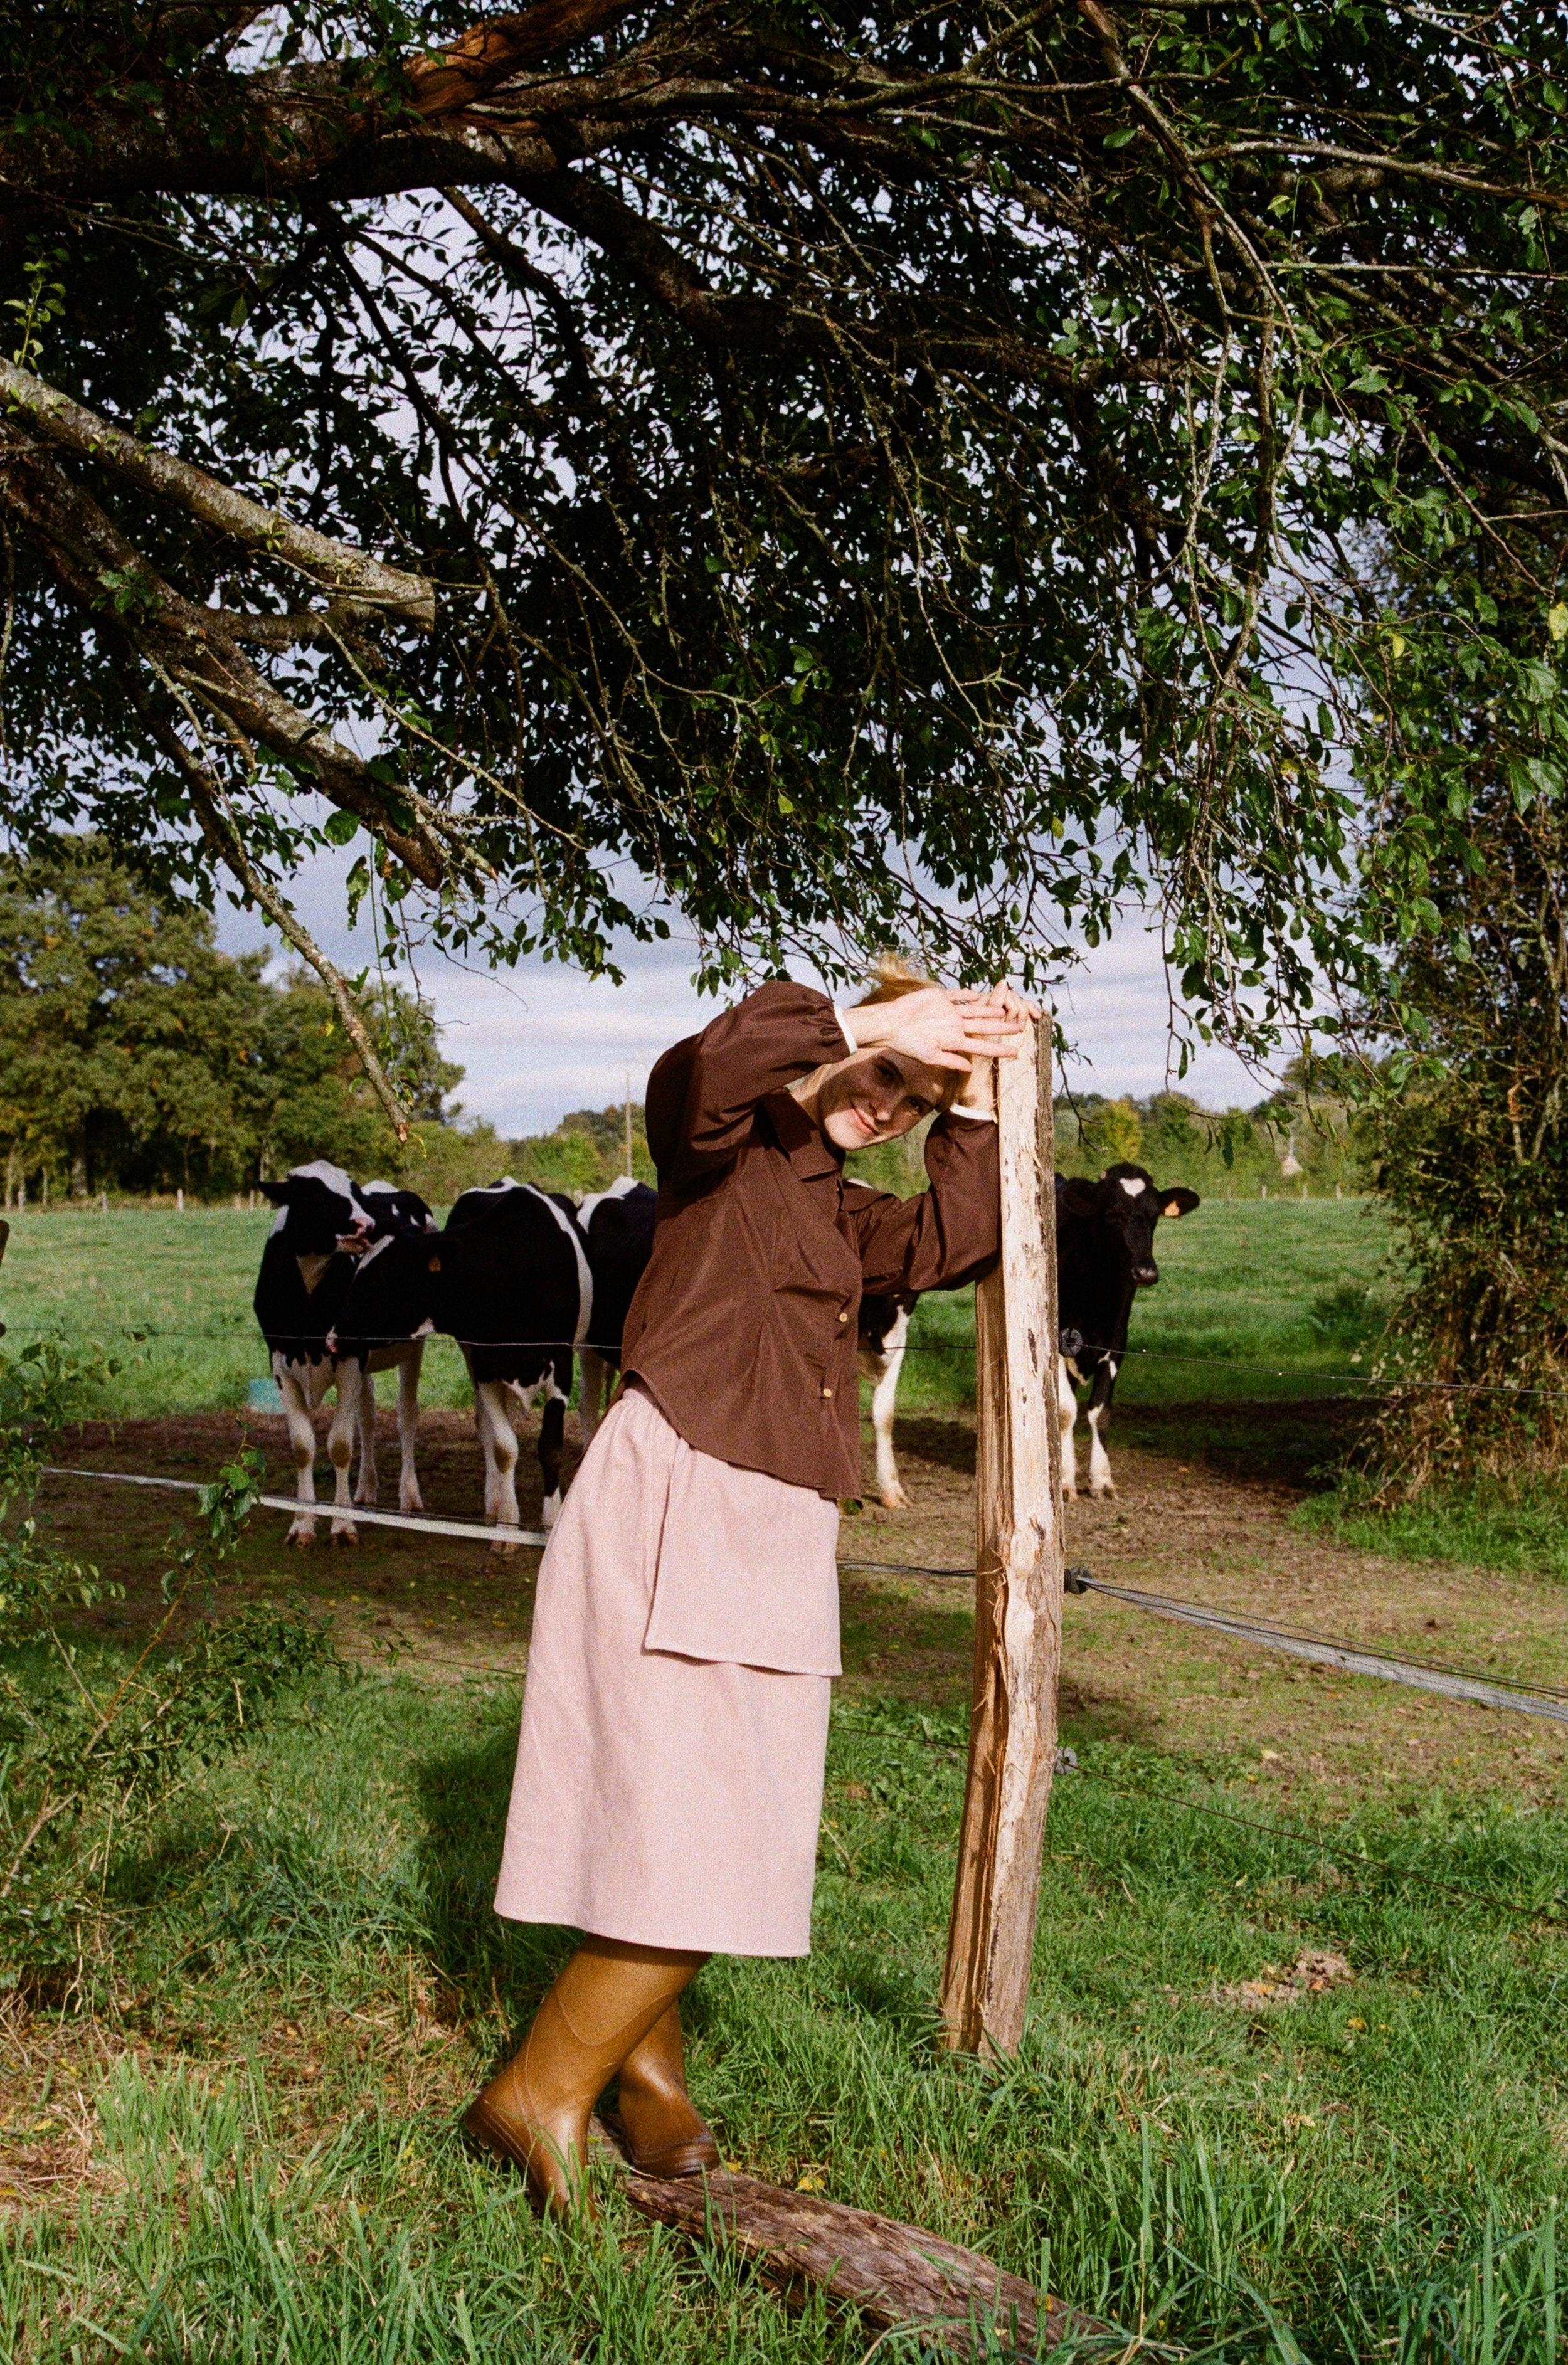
(169, 1295)
(311, 1982)
(248, 2149)
(1244, 1284)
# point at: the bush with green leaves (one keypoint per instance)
(92, 1742)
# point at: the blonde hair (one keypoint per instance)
(892, 978)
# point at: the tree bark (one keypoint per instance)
(893, 2274)
(1018, 1586)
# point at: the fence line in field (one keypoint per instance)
(1523, 1698)
(421, 1525)
(1301, 1642)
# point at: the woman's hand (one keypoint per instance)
(947, 1027)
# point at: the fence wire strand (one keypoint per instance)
(1471, 1684)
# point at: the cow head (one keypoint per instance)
(396, 1214)
(1124, 1206)
(323, 1212)
(320, 1211)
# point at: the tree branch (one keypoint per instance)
(107, 576)
(217, 826)
(485, 57)
(763, 324)
(366, 586)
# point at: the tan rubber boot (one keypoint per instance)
(601, 2008)
(665, 2134)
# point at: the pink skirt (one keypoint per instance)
(669, 1771)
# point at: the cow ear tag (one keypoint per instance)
(434, 1265)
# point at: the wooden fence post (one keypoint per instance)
(1019, 1584)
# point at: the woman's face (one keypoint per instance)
(876, 1097)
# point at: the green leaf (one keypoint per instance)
(340, 828)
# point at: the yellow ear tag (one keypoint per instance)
(1172, 1207)
(434, 1265)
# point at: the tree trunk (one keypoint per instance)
(1018, 1586)
(78, 1185)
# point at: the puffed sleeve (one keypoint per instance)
(944, 1236)
(703, 1094)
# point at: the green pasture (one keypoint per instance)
(309, 1982)
(1257, 1298)
(168, 1296)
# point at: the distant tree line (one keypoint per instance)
(137, 1059)
(1307, 1139)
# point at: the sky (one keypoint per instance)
(541, 1039)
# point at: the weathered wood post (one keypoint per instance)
(1019, 1584)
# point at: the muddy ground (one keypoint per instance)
(1214, 1528)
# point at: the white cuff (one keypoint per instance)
(843, 1028)
(975, 1116)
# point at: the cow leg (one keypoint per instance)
(410, 1361)
(884, 1397)
(1067, 1411)
(552, 1433)
(491, 1407)
(1100, 1480)
(595, 1374)
(367, 1487)
(297, 1410)
(482, 1431)
(346, 1417)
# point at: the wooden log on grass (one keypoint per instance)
(1018, 1582)
(899, 2277)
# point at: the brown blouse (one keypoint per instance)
(744, 1326)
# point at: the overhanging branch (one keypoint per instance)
(216, 824)
(364, 584)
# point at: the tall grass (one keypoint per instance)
(1370, 2173)
(1483, 1525)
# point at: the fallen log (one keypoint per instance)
(899, 2277)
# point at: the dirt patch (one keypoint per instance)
(1314, 1972)
(452, 1609)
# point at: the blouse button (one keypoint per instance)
(827, 1392)
(843, 1317)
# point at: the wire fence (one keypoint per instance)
(1476, 1685)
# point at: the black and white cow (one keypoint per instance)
(326, 1226)
(617, 1227)
(509, 1278)
(1105, 1256)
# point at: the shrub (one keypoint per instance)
(89, 1748)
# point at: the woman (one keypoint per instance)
(669, 1772)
